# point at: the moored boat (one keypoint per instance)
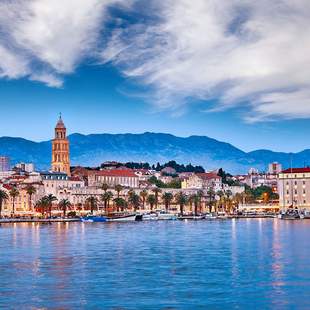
(93, 219)
(163, 216)
(126, 218)
(291, 214)
(150, 217)
(191, 217)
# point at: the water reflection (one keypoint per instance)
(220, 264)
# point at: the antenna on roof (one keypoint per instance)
(59, 115)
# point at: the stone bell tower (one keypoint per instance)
(60, 149)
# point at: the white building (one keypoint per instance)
(54, 182)
(203, 181)
(27, 167)
(112, 177)
(294, 188)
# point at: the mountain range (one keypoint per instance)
(92, 150)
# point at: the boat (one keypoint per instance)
(210, 216)
(126, 218)
(150, 217)
(191, 217)
(164, 216)
(93, 219)
(222, 215)
(291, 214)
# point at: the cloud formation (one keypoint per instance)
(238, 52)
(45, 39)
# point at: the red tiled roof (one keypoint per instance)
(296, 170)
(7, 186)
(116, 173)
(208, 176)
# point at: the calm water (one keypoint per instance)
(156, 265)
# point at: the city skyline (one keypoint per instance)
(99, 76)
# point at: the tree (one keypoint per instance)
(120, 203)
(106, 197)
(14, 193)
(181, 200)
(196, 200)
(31, 190)
(156, 191)
(49, 202)
(167, 198)
(134, 200)
(64, 204)
(143, 195)
(3, 196)
(118, 188)
(105, 187)
(211, 198)
(151, 200)
(41, 205)
(92, 202)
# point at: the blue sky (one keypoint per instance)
(133, 66)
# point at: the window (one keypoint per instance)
(304, 191)
(295, 192)
(303, 182)
(287, 192)
(295, 182)
(304, 201)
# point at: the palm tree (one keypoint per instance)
(14, 193)
(211, 197)
(156, 191)
(49, 202)
(143, 195)
(105, 187)
(41, 205)
(64, 204)
(120, 203)
(167, 198)
(3, 196)
(181, 199)
(106, 197)
(134, 200)
(151, 200)
(221, 200)
(196, 200)
(31, 190)
(200, 195)
(118, 188)
(92, 201)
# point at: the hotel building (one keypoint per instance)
(294, 188)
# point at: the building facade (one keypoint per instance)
(294, 188)
(112, 177)
(60, 149)
(203, 181)
(4, 164)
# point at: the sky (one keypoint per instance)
(236, 71)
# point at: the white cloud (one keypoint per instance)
(238, 52)
(44, 39)
(241, 52)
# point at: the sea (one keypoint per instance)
(209, 264)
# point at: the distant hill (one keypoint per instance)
(91, 150)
